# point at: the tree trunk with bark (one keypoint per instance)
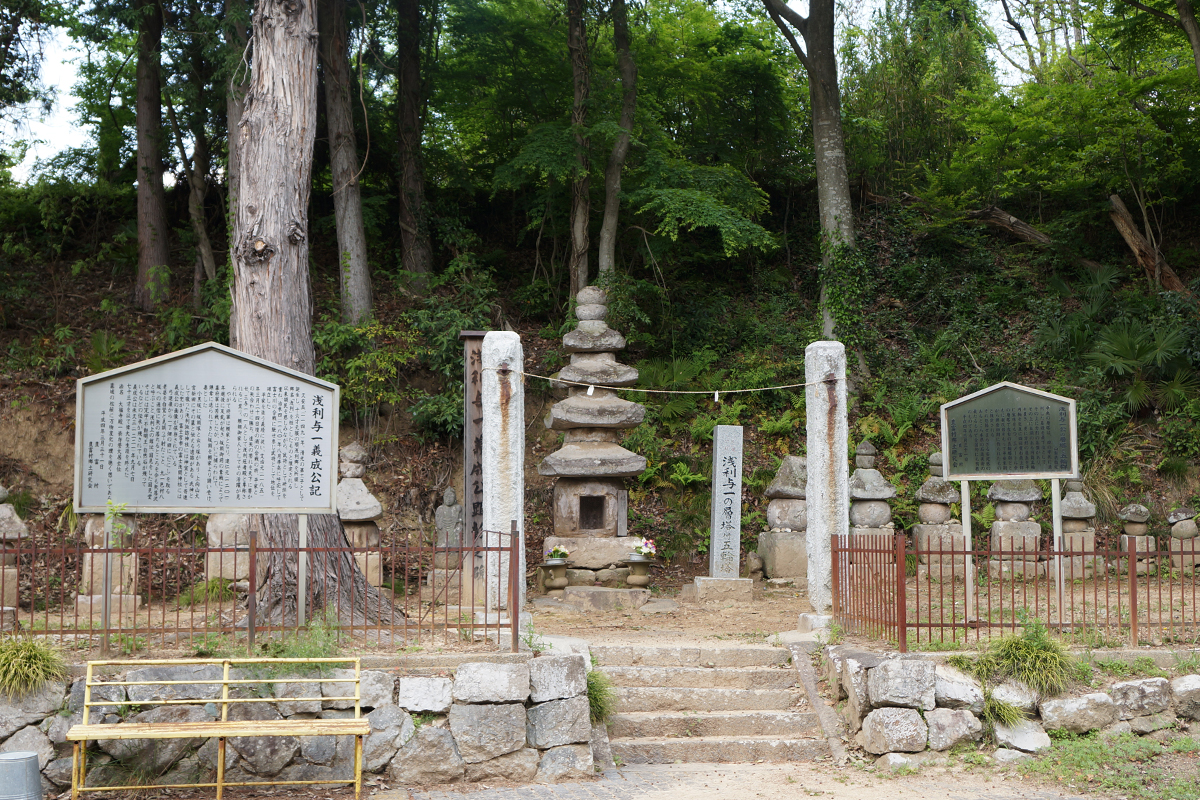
(273, 307)
(343, 159)
(235, 105)
(999, 218)
(627, 69)
(1191, 28)
(833, 182)
(196, 167)
(416, 252)
(1148, 256)
(154, 254)
(581, 205)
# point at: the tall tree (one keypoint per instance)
(23, 26)
(829, 150)
(1186, 22)
(627, 69)
(416, 252)
(272, 315)
(154, 252)
(581, 204)
(236, 86)
(343, 158)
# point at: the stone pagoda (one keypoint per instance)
(591, 504)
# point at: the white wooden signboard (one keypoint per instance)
(206, 430)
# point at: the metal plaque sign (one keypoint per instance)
(205, 430)
(1009, 431)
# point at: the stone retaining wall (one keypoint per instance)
(525, 722)
(907, 709)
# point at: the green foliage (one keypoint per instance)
(1034, 658)
(28, 664)
(319, 639)
(22, 501)
(1121, 765)
(602, 699)
(213, 590)
(369, 361)
(1000, 712)
(107, 351)
(1139, 667)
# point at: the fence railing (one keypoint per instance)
(181, 596)
(885, 587)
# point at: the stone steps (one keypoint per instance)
(748, 656)
(675, 698)
(703, 677)
(718, 749)
(665, 725)
(708, 704)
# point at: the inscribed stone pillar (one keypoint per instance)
(724, 549)
(503, 458)
(828, 471)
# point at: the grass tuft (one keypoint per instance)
(1032, 657)
(27, 665)
(1000, 712)
(214, 590)
(602, 700)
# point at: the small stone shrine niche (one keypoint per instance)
(590, 499)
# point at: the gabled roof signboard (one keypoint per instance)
(205, 430)
(1009, 431)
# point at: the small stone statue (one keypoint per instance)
(448, 520)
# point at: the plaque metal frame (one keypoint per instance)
(201, 508)
(1072, 426)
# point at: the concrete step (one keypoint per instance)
(630, 698)
(736, 656)
(718, 749)
(703, 678)
(666, 725)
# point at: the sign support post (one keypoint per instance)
(965, 487)
(302, 573)
(106, 601)
(1056, 510)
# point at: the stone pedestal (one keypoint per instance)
(90, 608)
(724, 590)
(784, 553)
(371, 565)
(11, 589)
(951, 561)
(593, 552)
(123, 574)
(1185, 553)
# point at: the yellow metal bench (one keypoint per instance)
(221, 729)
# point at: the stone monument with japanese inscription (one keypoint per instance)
(725, 522)
(591, 503)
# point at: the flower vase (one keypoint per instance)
(556, 576)
(639, 570)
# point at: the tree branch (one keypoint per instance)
(773, 7)
(1155, 12)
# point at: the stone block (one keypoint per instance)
(339, 689)
(1079, 568)
(947, 538)
(1016, 541)
(288, 707)
(376, 688)
(391, 727)
(481, 682)
(1012, 512)
(124, 529)
(893, 730)
(355, 503)
(10, 587)
(1184, 529)
(1134, 512)
(90, 608)
(942, 573)
(430, 756)
(791, 480)
(1017, 694)
(581, 577)
(1141, 697)
(1142, 545)
(518, 767)
(1078, 714)
(1014, 491)
(907, 683)
(599, 598)
(1026, 736)
(1186, 691)
(607, 497)
(1080, 542)
(557, 677)
(1004, 755)
(1153, 722)
(955, 689)
(784, 553)
(948, 727)
(1016, 570)
(1185, 553)
(30, 740)
(363, 535)
(487, 730)
(559, 722)
(933, 513)
(870, 513)
(232, 566)
(424, 694)
(611, 576)
(569, 762)
(593, 552)
(937, 490)
(1074, 526)
(123, 574)
(1075, 505)
(856, 667)
(787, 514)
(371, 565)
(724, 590)
(881, 542)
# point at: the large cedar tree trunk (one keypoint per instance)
(153, 242)
(416, 252)
(343, 159)
(577, 45)
(833, 183)
(606, 257)
(235, 104)
(273, 307)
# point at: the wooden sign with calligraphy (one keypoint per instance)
(1009, 431)
(205, 430)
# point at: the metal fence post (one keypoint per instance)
(514, 590)
(837, 583)
(1133, 609)
(252, 600)
(901, 596)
